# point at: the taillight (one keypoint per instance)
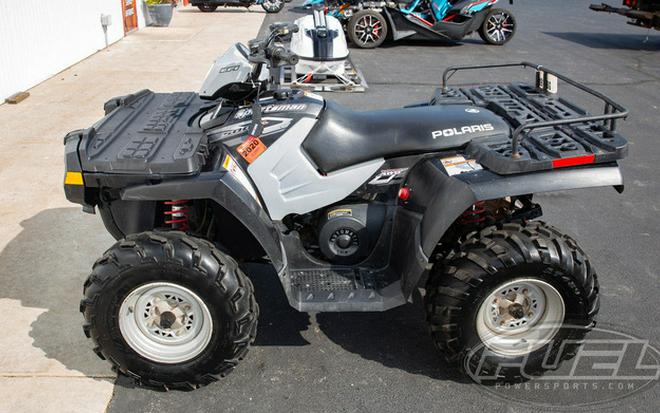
(575, 161)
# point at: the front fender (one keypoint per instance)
(224, 189)
(437, 200)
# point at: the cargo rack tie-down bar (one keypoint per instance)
(611, 113)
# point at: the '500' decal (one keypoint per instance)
(231, 68)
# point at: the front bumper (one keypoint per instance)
(74, 180)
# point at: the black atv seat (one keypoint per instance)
(343, 137)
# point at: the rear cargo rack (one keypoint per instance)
(596, 132)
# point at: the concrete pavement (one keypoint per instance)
(47, 245)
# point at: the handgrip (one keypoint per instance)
(284, 55)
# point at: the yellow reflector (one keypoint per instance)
(73, 178)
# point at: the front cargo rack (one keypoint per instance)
(548, 131)
(146, 132)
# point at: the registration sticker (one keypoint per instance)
(251, 149)
(455, 165)
(235, 170)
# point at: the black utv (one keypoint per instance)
(355, 211)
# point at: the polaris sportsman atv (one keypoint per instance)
(209, 6)
(369, 23)
(355, 211)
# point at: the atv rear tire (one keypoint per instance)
(169, 310)
(510, 297)
(367, 29)
(272, 6)
(498, 27)
(207, 8)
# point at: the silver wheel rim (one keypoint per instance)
(272, 4)
(499, 27)
(520, 316)
(369, 29)
(165, 322)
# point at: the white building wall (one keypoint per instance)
(39, 38)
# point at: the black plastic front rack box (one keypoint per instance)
(146, 132)
(547, 131)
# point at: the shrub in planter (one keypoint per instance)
(160, 12)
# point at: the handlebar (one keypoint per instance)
(271, 54)
(265, 52)
(285, 56)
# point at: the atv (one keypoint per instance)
(354, 211)
(370, 23)
(209, 6)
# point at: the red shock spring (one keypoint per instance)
(177, 215)
(476, 214)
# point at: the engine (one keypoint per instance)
(347, 233)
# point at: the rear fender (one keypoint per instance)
(437, 200)
(224, 189)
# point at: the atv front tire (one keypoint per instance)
(367, 29)
(513, 301)
(207, 8)
(169, 310)
(498, 27)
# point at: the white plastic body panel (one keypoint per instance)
(232, 67)
(289, 183)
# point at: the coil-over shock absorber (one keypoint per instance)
(475, 215)
(176, 214)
